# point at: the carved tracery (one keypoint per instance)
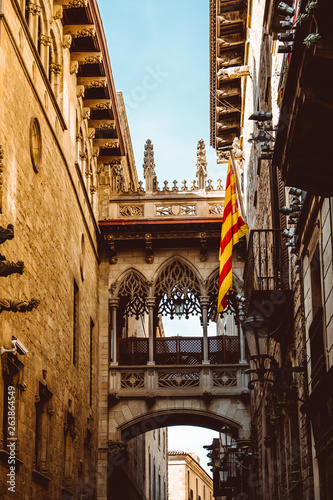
(134, 291)
(178, 284)
(212, 293)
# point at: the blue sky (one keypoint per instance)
(159, 54)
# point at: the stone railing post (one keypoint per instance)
(150, 301)
(204, 302)
(114, 303)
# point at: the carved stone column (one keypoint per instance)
(204, 301)
(150, 301)
(113, 303)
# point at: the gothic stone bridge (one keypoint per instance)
(161, 259)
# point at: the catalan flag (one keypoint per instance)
(233, 228)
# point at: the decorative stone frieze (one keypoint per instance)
(102, 106)
(96, 84)
(75, 4)
(131, 210)
(107, 126)
(172, 210)
(84, 33)
(110, 145)
(92, 60)
(215, 208)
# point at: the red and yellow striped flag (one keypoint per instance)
(233, 228)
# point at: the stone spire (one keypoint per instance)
(149, 166)
(201, 164)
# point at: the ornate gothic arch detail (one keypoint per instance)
(132, 290)
(177, 284)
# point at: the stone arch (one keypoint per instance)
(172, 416)
(131, 291)
(178, 280)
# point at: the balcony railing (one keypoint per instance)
(264, 265)
(222, 349)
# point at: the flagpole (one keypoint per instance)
(239, 192)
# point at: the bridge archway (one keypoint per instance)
(175, 417)
(132, 418)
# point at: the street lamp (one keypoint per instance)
(257, 337)
(179, 303)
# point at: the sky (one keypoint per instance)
(159, 53)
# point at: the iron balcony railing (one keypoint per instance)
(222, 349)
(266, 265)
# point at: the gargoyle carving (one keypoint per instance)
(7, 268)
(17, 305)
(6, 233)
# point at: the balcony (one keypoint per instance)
(266, 285)
(307, 107)
(179, 350)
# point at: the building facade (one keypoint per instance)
(62, 126)
(284, 113)
(187, 479)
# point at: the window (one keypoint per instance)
(316, 330)
(91, 362)
(75, 323)
(44, 413)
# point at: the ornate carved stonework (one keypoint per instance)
(96, 84)
(215, 208)
(179, 380)
(130, 380)
(92, 60)
(106, 126)
(67, 41)
(55, 68)
(84, 33)
(6, 233)
(18, 305)
(74, 67)
(45, 40)
(175, 210)
(80, 91)
(7, 268)
(102, 105)
(110, 145)
(131, 210)
(201, 164)
(117, 447)
(75, 4)
(33, 9)
(149, 166)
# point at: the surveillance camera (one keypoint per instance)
(19, 347)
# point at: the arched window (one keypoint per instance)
(177, 290)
